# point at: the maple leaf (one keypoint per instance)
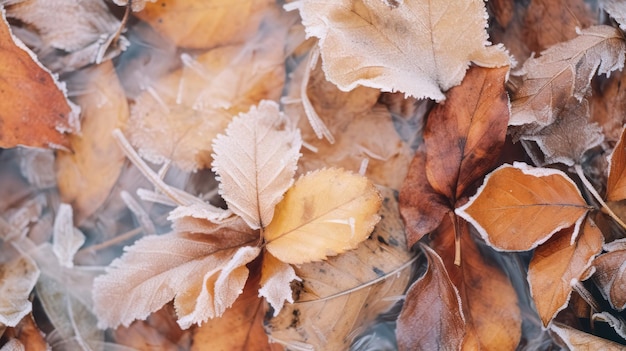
(432, 296)
(400, 49)
(255, 162)
(35, 110)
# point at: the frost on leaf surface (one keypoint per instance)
(17, 280)
(407, 48)
(255, 162)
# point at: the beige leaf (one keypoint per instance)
(66, 239)
(86, 176)
(610, 277)
(581, 341)
(341, 295)
(616, 9)
(255, 162)
(17, 279)
(325, 213)
(407, 48)
(276, 278)
(192, 269)
(177, 117)
(562, 71)
(136, 5)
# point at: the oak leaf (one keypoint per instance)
(86, 176)
(616, 182)
(610, 277)
(581, 341)
(255, 161)
(433, 301)
(342, 294)
(557, 264)
(34, 108)
(562, 71)
(323, 214)
(536, 202)
(400, 49)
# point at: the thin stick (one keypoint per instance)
(592, 190)
(116, 240)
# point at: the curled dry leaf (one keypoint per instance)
(581, 341)
(192, 269)
(611, 278)
(490, 304)
(255, 161)
(400, 49)
(66, 239)
(86, 176)
(562, 71)
(341, 295)
(34, 108)
(276, 278)
(17, 279)
(178, 117)
(200, 24)
(616, 182)
(536, 202)
(557, 264)
(431, 317)
(615, 9)
(323, 214)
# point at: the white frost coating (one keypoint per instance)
(277, 288)
(206, 211)
(19, 278)
(13, 345)
(619, 244)
(66, 239)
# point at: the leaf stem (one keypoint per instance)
(457, 239)
(592, 190)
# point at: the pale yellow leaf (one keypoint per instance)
(17, 279)
(406, 48)
(340, 296)
(325, 213)
(276, 277)
(255, 162)
(86, 176)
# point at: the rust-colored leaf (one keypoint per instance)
(492, 315)
(519, 207)
(557, 264)
(33, 108)
(431, 317)
(610, 276)
(464, 135)
(616, 183)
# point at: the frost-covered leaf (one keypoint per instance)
(338, 297)
(276, 278)
(562, 71)
(87, 175)
(407, 48)
(323, 214)
(611, 278)
(536, 202)
(615, 9)
(17, 279)
(581, 341)
(616, 182)
(66, 239)
(136, 5)
(255, 162)
(13, 345)
(201, 276)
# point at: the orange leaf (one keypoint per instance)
(33, 108)
(519, 207)
(581, 341)
(557, 263)
(431, 301)
(464, 135)
(616, 183)
(490, 307)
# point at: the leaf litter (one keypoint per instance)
(262, 176)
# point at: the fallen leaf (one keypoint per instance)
(615, 9)
(255, 161)
(558, 264)
(276, 278)
(562, 71)
(368, 43)
(205, 24)
(536, 202)
(490, 305)
(338, 297)
(35, 109)
(65, 237)
(17, 279)
(86, 176)
(581, 341)
(13, 345)
(136, 5)
(607, 103)
(432, 316)
(324, 213)
(616, 182)
(610, 277)
(464, 136)
(27, 332)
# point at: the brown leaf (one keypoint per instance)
(431, 317)
(581, 341)
(557, 264)
(341, 295)
(29, 334)
(368, 43)
(421, 207)
(34, 110)
(464, 135)
(616, 182)
(200, 24)
(86, 176)
(610, 277)
(536, 203)
(492, 315)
